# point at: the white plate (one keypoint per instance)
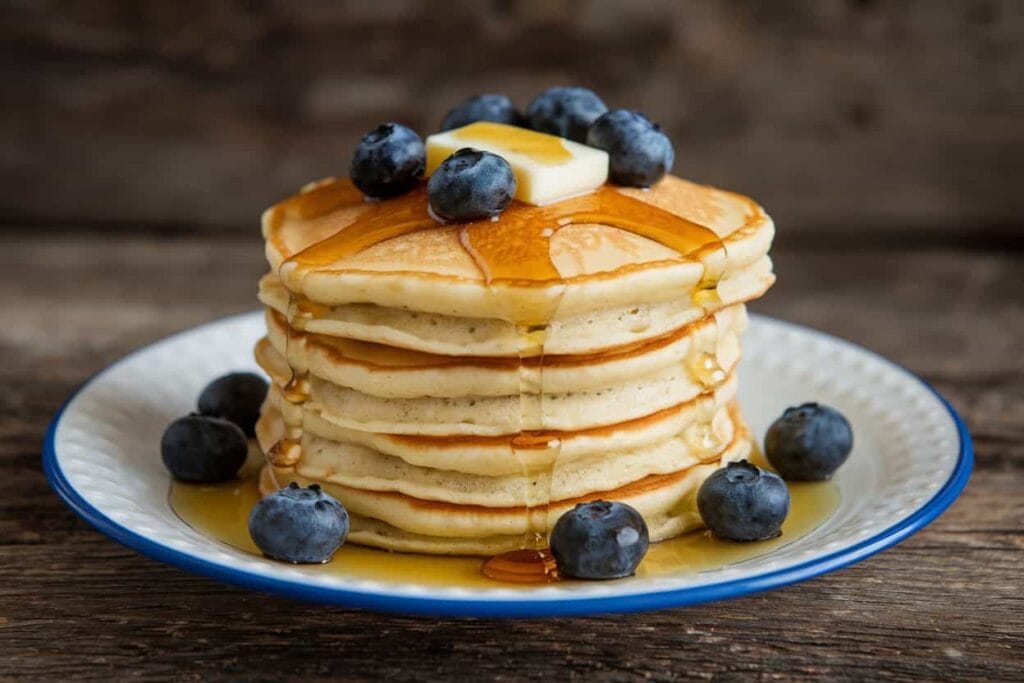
(911, 459)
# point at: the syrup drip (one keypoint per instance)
(531, 417)
(288, 451)
(296, 391)
(285, 453)
(514, 251)
(522, 566)
(702, 440)
(702, 361)
(704, 366)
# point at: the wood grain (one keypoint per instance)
(838, 115)
(945, 604)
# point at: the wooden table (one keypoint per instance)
(943, 604)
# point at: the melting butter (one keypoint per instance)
(547, 168)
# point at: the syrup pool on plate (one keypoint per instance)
(221, 512)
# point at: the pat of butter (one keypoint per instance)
(548, 168)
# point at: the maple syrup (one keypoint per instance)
(288, 450)
(527, 565)
(221, 512)
(512, 251)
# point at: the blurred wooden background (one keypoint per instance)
(860, 118)
(139, 142)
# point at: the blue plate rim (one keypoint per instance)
(520, 607)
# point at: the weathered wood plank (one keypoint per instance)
(916, 611)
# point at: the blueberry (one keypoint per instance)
(470, 185)
(808, 442)
(203, 449)
(236, 397)
(740, 502)
(599, 540)
(566, 112)
(388, 161)
(496, 108)
(640, 154)
(299, 525)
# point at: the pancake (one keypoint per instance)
(458, 388)
(591, 266)
(588, 332)
(388, 372)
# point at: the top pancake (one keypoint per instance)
(592, 265)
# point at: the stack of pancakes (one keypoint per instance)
(404, 388)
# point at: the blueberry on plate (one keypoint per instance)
(470, 185)
(640, 154)
(495, 108)
(599, 540)
(303, 526)
(741, 502)
(809, 442)
(565, 111)
(388, 161)
(236, 397)
(203, 449)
